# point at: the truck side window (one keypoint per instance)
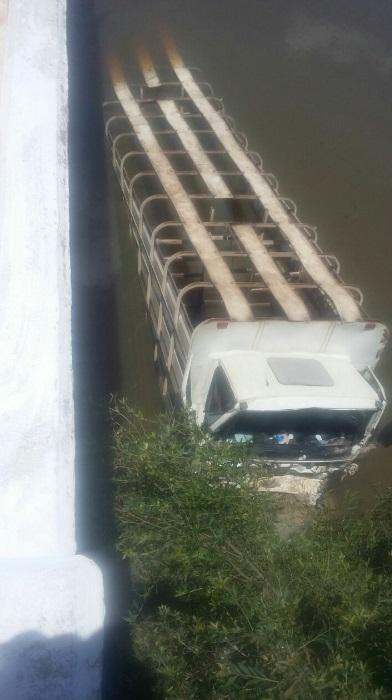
(220, 397)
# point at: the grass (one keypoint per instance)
(224, 608)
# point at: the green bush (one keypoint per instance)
(223, 607)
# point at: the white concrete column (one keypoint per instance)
(3, 20)
(51, 600)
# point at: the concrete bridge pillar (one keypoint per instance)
(51, 598)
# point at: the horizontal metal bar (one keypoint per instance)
(234, 198)
(163, 132)
(175, 152)
(181, 99)
(180, 241)
(231, 253)
(209, 224)
(161, 67)
(251, 303)
(227, 173)
(156, 116)
(168, 83)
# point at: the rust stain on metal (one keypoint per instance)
(146, 65)
(171, 49)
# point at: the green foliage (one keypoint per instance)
(223, 607)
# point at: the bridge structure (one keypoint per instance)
(52, 608)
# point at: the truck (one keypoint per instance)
(254, 329)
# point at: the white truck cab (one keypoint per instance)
(299, 394)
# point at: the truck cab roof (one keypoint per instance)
(276, 381)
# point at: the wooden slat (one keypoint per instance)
(315, 267)
(212, 179)
(216, 268)
(285, 295)
(190, 142)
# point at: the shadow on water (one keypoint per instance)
(96, 363)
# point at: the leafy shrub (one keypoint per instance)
(223, 607)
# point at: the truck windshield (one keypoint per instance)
(298, 434)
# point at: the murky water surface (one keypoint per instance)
(309, 83)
